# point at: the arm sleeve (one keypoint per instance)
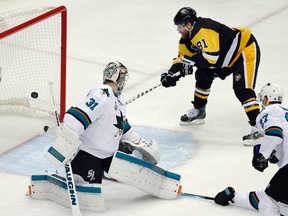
(247, 200)
(80, 116)
(273, 135)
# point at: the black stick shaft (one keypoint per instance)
(197, 196)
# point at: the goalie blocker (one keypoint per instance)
(64, 148)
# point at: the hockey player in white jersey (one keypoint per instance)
(95, 137)
(97, 126)
(272, 123)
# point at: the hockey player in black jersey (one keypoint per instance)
(216, 50)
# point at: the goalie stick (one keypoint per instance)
(68, 169)
(147, 91)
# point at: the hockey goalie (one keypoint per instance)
(97, 137)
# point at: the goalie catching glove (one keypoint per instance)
(64, 148)
(149, 150)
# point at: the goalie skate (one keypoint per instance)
(193, 117)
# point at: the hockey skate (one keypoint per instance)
(253, 138)
(193, 117)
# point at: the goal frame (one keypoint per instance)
(61, 9)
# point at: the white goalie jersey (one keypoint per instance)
(99, 120)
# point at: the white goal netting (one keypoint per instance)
(31, 56)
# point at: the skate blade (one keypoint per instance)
(195, 122)
(252, 142)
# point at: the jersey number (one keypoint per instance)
(91, 104)
(202, 44)
(263, 120)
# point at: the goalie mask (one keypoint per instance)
(273, 92)
(117, 73)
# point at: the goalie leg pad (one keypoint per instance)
(145, 176)
(54, 188)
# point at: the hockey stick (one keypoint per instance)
(196, 196)
(143, 93)
(148, 90)
(68, 169)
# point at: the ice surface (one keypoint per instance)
(141, 35)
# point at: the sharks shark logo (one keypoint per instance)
(120, 124)
(105, 91)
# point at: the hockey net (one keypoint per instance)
(32, 55)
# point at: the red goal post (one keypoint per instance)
(32, 55)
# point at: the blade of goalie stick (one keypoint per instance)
(196, 196)
(71, 188)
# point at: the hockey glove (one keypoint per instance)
(169, 79)
(125, 147)
(149, 150)
(223, 197)
(273, 159)
(187, 66)
(259, 162)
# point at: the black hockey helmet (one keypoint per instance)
(184, 15)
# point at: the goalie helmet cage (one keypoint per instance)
(32, 55)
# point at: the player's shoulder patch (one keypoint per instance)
(101, 93)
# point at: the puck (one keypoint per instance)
(46, 128)
(34, 94)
